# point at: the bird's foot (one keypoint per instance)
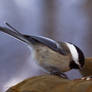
(60, 74)
(55, 71)
(87, 78)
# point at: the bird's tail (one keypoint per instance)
(13, 32)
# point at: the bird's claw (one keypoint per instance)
(60, 74)
(87, 78)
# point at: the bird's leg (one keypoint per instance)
(60, 74)
(55, 71)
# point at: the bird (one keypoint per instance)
(53, 57)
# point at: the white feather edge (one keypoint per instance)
(74, 52)
(49, 39)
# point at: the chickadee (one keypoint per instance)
(52, 56)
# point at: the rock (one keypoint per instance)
(43, 83)
(51, 83)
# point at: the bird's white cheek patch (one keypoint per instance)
(74, 52)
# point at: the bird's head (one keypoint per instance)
(78, 58)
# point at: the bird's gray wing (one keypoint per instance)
(48, 42)
(33, 39)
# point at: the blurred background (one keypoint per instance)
(62, 20)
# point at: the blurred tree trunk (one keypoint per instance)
(88, 38)
(49, 18)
